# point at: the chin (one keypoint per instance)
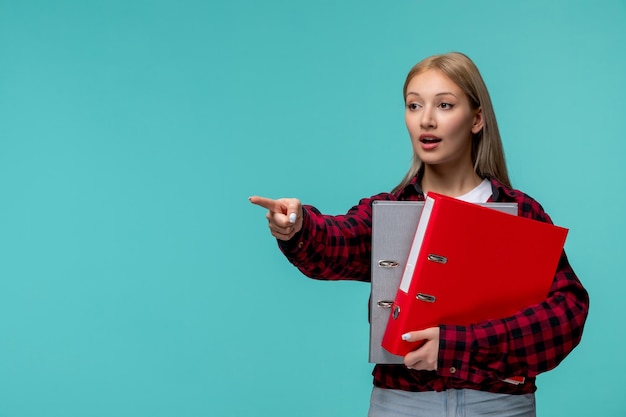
(429, 159)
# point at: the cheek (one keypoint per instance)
(460, 126)
(410, 124)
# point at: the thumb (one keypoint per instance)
(418, 335)
(293, 210)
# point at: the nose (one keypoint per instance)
(427, 119)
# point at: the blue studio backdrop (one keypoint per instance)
(135, 277)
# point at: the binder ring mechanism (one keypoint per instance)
(437, 258)
(383, 263)
(426, 297)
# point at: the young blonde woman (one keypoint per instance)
(457, 151)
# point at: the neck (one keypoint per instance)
(452, 183)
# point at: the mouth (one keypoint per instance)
(429, 143)
(429, 139)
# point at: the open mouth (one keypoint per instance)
(430, 140)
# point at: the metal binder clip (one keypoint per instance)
(437, 258)
(387, 264)
(426, 297)
(385, 303)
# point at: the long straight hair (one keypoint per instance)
(487, 151)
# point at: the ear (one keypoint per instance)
(477, 126)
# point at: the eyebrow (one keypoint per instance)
(445, 93)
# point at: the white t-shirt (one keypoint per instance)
(480, 194)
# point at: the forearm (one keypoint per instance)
(331, 247)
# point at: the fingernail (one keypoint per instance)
(292, 218)
(406, 336)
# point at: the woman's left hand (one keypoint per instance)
(425, 357)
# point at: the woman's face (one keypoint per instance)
(440, 120)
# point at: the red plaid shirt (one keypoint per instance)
(478, 356)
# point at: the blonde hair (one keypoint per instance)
(487, 150)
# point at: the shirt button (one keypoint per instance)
(453, 370)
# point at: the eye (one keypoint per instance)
(446, 106)
(412, 106)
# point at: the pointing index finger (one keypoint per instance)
(268, 203)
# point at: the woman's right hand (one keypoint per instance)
(284, 215)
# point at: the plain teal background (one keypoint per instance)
(135, 277)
